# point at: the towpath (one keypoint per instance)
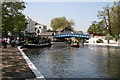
(14, 65)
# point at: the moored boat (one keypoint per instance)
(74, 44)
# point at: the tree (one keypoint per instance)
(12, 18)
(111, 17)
(110, 21)
(115, 20)
(92, 28)
(61, 22)
(105, 16)
(97, 27)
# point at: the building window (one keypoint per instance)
(35, 29)
(38, 31)
(44, 27)
(39, 27)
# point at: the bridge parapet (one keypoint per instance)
(72, 35)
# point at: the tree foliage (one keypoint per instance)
(61, 22)
(105, 17)
(97, 28)
(109, 21)
(115, 20)
(12, 18)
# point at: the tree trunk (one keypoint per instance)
(109, 22)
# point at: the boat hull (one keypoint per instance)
(74, 44)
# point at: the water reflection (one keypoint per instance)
(62, 61)
(113, 63)
(108, 60)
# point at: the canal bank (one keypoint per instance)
(15, 66)
(103, 44)
(31, 65)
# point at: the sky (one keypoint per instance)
(82, 13)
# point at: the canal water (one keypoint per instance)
(88, 61)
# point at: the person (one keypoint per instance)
(8, 41)
(13, 42)
(49, 40)
(4, 42)
(17, 42)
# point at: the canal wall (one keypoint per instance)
(103, 44)
(31, 65)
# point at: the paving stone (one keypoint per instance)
(14, 66)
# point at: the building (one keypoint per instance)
(31, 26)
(39, 29)
(64, 31)
(34, 27)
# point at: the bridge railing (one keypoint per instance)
(72, 35)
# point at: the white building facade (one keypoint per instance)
(39, 29)
(34, 27)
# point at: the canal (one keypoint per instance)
(88, 61)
